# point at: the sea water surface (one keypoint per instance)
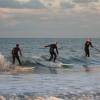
(48, 80)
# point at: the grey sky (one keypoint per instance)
(49, 18)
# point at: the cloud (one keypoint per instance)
(12, 17)
(23, 1)
(56, 5)
(32, 4)
(62, 5)
(23, 11)
(49, 17)
(45, 7)
(85, 1)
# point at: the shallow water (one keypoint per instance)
(68, 85)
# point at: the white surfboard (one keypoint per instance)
(56, 64)
(19, 69)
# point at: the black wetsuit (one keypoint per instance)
(53, 54)
(87, 45)
(15, 54)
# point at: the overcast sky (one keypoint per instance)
(49, 18)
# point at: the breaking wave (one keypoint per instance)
(41, 63)
(68, 96)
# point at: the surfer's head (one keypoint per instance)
(88, 40)
(17, 45)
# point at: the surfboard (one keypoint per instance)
(56, 64)
(67, 65)
(17, 69)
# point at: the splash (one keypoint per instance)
(29, 98)
(83, 96)
(4, 64)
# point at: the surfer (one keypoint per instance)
(88, 44)
(53, 53)
(15, 54)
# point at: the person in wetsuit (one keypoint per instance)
(15, 54)
(87, 45)
(53, 53)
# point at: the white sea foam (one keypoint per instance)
(2, 98)
(4, 64)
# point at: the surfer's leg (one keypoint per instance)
(51, 56)
(55, 56)
(18, 60)
(85, 52)
(13, 59)
(88, 53)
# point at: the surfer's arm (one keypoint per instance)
(47, 46)
(57, 50)
(12, 51)
(91, 45)
(20, 52)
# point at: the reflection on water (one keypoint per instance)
(86, 64)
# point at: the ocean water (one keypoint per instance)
(67, 79)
